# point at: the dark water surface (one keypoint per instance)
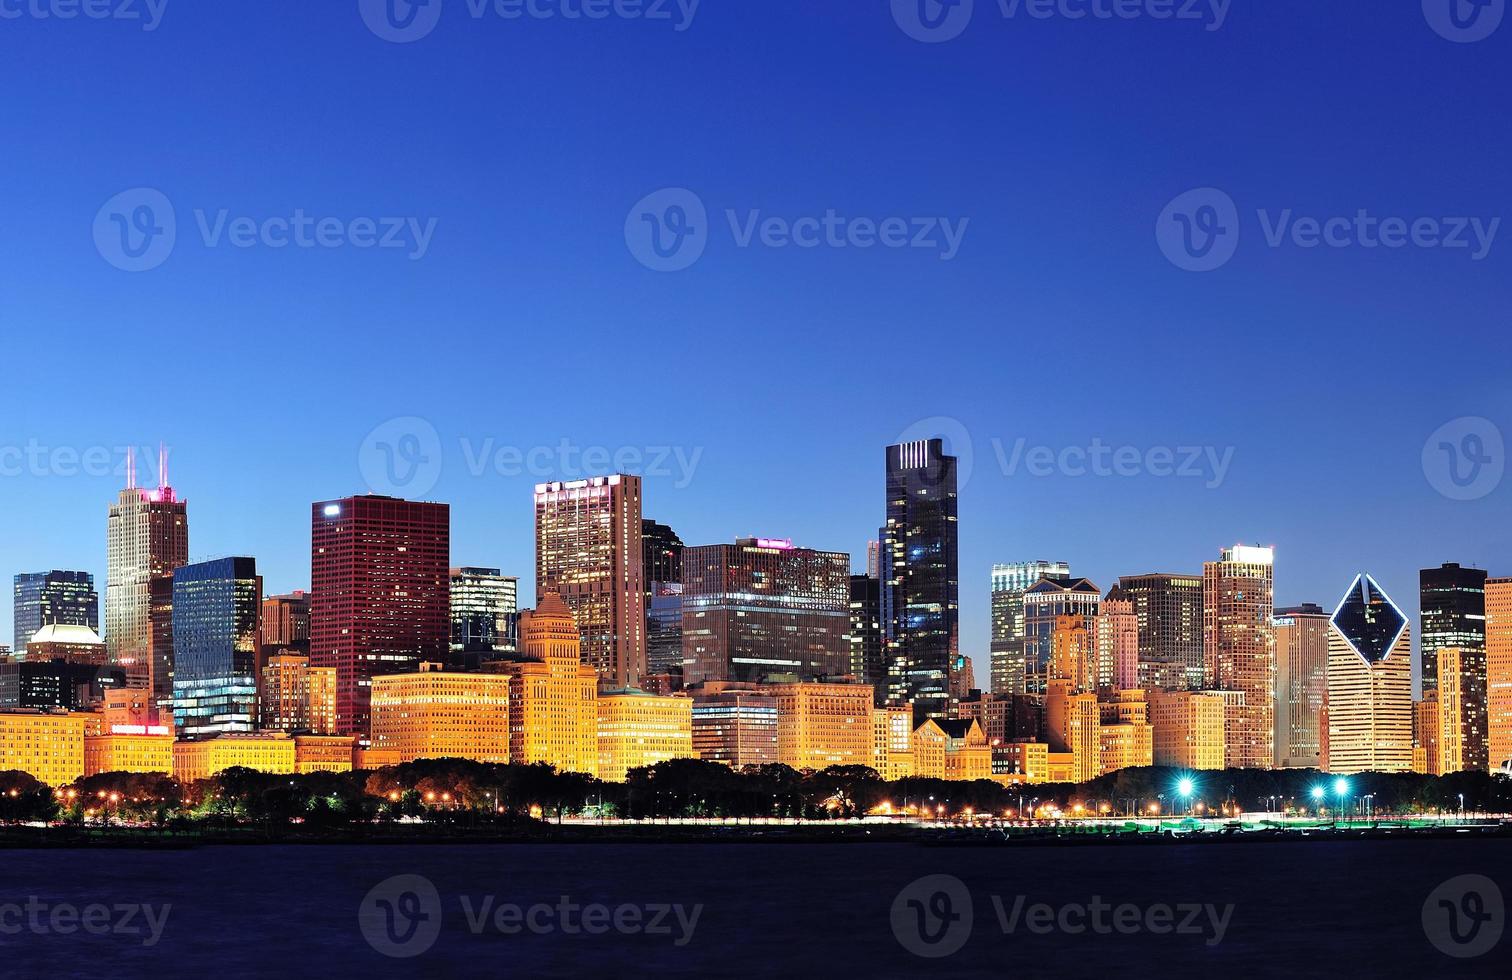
(1336, 909)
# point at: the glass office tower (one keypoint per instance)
(216, 609)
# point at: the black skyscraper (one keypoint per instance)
(1453, 603)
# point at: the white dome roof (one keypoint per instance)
(55, 633)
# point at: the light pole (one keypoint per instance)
(1185, 787)
(1317, 795)
(1341, 787)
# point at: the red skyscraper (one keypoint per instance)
(379, 604)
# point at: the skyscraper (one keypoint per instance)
(147, 538)
(1169, 607)
(1370, 712)
(553, 694)
(55, 598)
(1453, 604)
(380, 598)
(662, 556)
(1045, 602)
(484, 614)
(286, 621)
(661, 553)
(1115, 641)
(1301, 684)
(867, 662)
(921, 576)
(589, 551)
(1009, 668)
(761, 607)
(1239, 650)
(216, 608)
(1499, 672)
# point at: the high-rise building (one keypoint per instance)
(664, 644)
(380, 602)
(51, 684)
(216, 607)
(921, 576)
(148, 537)
(553, 710)
(1169, 607)
(589, 552)
(1426, 732)
(1009, 583)
(762, 607)
(1499, 673)
(55, 598)
(1073, 722)
(1301, 684)
(867, 661)
(1045, 603)
(286, 621)
(1370, 713)
(1115, 640)
(1453, 604)
(636, 730)
(75, 644)
(1071, 655)
(439, 714)
(484, 615)
(1127, 738)
(283, 693)
(661, 553)
(736, 725)
(1454, 708)
(1239, 649)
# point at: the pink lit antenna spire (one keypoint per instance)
(131, 468)
(162, 466)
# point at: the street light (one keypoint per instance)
(1317, 795)
(1184, 787)
(1341, 787)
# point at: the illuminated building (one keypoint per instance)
(761, 607)
(286, 621)
(1457, 732)
(1169, 607)
(1453, 604)
(1073, 723)
(892, 742)
(1046, 602)
(734, 726)
(74, 644)
(1115, 642)
(1369, 683)
(921, 577)
(55, 598)
(589, 552)
(48, 684)
(147, 748)
(265, 752)
(216, 607)
(954, 749)
(822, 724)
(1499, 672)
(48, 745)
(1127, 738)
(1071, 656)
(1187, 729)
(1301, 685)
(436, 714)
(1009, 631)
(484, 615)
(1239, 650)
(1026, 762)
(148, 537)
(324, 753)
(1061, 767)
(379, 603)
(1426, 731)
(283, 694)
(369, 758)
(662, 561)
(636, 729)
(553, 714)
(868, 661)
(1005, 718)
(129, 707)
(322, 705)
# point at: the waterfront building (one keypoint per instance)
(1499, 674)
(147, 750)
(440, 714)
(202, 758)
(1453, 604)
(324, 753)
(735, 724)
(1370, 713)
(147, 538)
(216, 607)
(553, 711)
(1187, 729)
(1301, 685)
(1239, 649)
(823, 724)
(892, 742)
(948, 748)
(637, 729)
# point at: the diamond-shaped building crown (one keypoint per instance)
(1369, 620)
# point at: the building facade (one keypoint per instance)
(1046, 603)
(1169, 607)
(868, 662)
(553, 710)
(822, 725)
(55, 598)
(147, 538)
(1301, 685)
(1187, 729)
(1499, 673)
(216, 608)
(1009, 631)
(1239, 650)
(1370, 713)
(1452, 600)
(439, 714)
(485, 615)
(636, 729)
(735, 726)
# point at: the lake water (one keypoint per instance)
(1336, 909)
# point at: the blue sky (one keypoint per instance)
(523, 145)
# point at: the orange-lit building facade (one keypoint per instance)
(437, 714)
(822, 724)
(1187, 729)
(637, 729)
(49, 745)
(268, 752)
(553, 694)
(1239, 650)
(1499, 672)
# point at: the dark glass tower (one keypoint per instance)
(216, 610)
(1453, 604)
(662, 556)
(921, 577)
(56, 598)
(866, 659)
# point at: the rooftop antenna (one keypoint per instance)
(162, 466)
(131, 468)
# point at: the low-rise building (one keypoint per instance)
(48, 745)
(264, 752)
(638, 729)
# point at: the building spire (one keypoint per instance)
(131, 468)
(162, 466)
